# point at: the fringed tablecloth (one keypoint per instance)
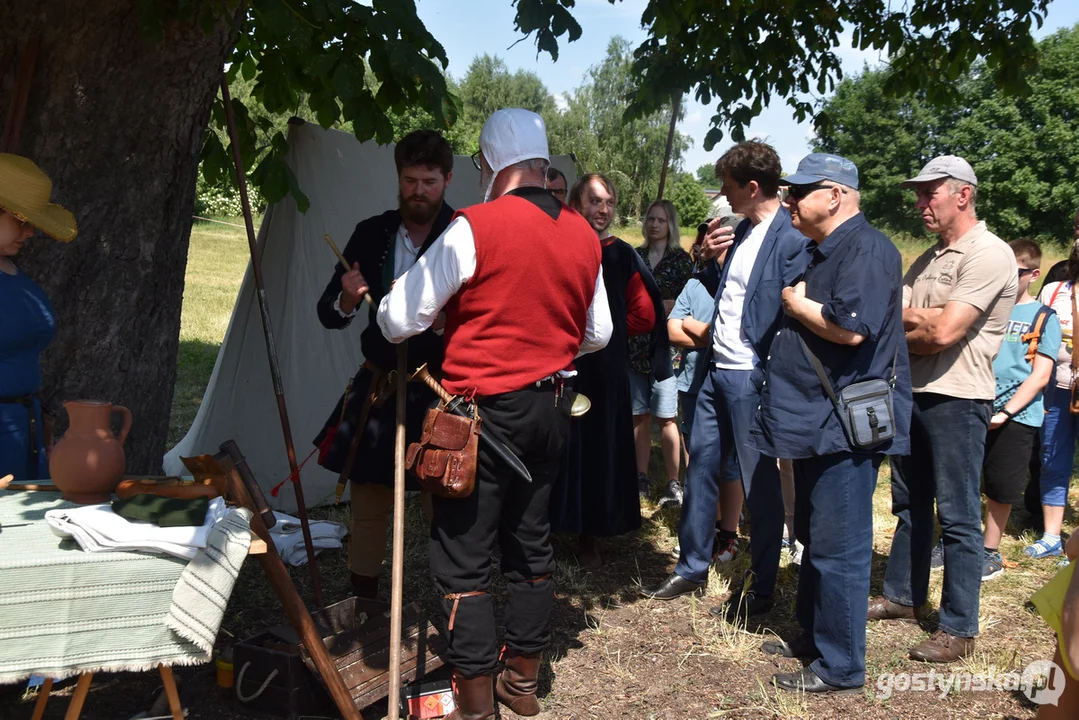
(64, 611)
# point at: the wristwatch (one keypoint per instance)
(1011, 415)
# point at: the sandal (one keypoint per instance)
(1043, 548)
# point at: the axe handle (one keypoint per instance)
(424, 376)
(230, 448)
(344, 263)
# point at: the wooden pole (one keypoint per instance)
(670, 143)
(78, 698)
(397, 576)
(43, 693)
(271, 346)
(171, 693)
(290, 599)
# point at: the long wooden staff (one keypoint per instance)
(397, 576)
(271, 347)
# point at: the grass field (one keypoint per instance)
(614, 656)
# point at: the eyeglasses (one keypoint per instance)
(798, 192)
(476, 160)
(19, 218)
(560, 194)
(1026, 271)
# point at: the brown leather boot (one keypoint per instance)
(942, 648)
(365, 586)
(516, 686)
(881, 608)
(474, 698)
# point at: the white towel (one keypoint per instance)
(288, 537)
(98, 529)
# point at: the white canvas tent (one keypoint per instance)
(346, 182)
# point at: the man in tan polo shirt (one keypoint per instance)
(957, 298)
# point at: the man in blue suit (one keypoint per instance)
(766, 254)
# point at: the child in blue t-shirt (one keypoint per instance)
(689, 327)
(1022, 369)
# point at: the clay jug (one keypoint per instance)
(88, 462)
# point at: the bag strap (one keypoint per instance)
(825, 382)
(1056, 291)
(819, 369)
(1034, 335)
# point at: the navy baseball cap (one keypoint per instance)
(818, 167)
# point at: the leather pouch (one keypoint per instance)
(444, 460)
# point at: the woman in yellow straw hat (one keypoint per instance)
(27, 322)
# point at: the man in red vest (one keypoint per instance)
(519, 280)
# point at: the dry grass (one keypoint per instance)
(216, 261)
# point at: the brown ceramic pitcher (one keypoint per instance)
(88, 462)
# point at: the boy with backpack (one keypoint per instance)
(1022, 369)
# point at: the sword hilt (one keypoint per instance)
(424, 376)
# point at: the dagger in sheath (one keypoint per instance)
(488, 435)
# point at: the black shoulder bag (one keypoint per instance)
(865, 408)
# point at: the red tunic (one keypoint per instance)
(523, 313)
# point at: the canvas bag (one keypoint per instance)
(865, 409)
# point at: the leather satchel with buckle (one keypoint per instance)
(444, 460)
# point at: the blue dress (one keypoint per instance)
(27, 326)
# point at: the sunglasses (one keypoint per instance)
(476, 160)
(798, 192)
(1026, 271)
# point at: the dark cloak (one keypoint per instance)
(596, 492)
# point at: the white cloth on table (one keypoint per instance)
(288, 537)
(96, 528)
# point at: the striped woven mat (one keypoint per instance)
(64, 611)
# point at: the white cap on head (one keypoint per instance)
(944, 166)
(510, 136)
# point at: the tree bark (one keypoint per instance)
(117, 120)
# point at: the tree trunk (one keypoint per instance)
(116, 118)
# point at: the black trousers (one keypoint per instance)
(503, 509)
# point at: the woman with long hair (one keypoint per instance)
(27, 321)
(671, 267)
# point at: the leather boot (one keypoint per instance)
(365, 586)
(516, 686)
(474, 698)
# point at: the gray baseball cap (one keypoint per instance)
(944, 166)
(817, 167)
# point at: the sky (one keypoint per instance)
(468, 28)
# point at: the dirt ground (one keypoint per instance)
(616, 655)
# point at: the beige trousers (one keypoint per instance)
(372, 509)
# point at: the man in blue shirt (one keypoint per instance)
(847, 311)
(765, 254)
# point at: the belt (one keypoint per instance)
(25, 400)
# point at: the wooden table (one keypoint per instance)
(43, 569)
